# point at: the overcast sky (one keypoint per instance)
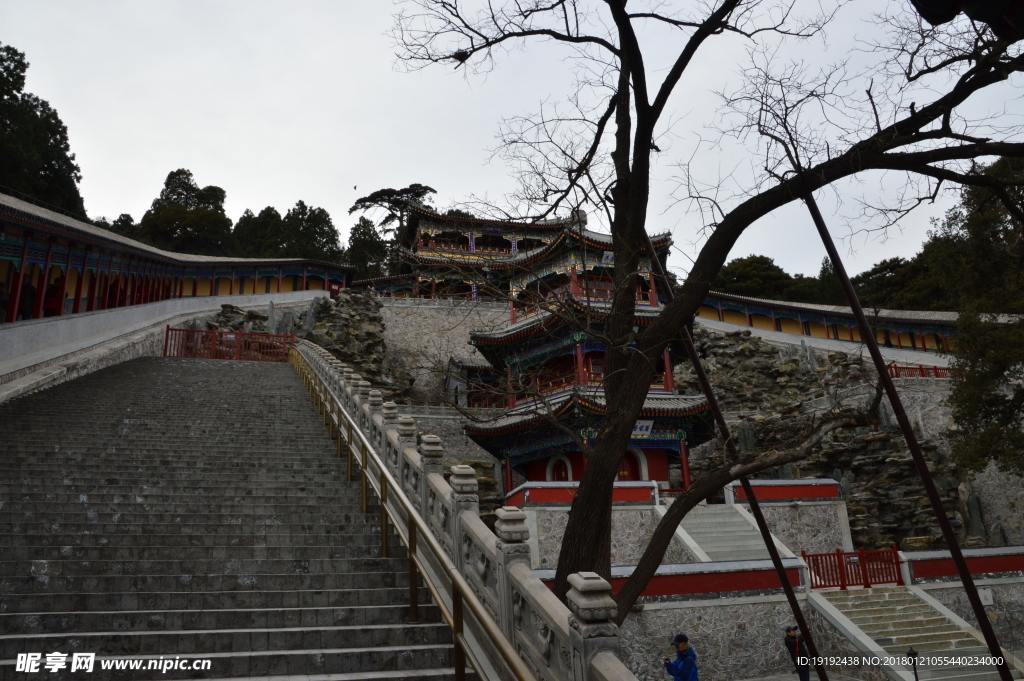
(281, 101)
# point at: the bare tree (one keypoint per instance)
(805, 129)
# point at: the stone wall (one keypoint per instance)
(632, 529)
(1006, 612)
(421, 336)
(809, 526)
(1002, 502)
(735, 638)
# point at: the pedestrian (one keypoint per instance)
(684, 667)
(795, 644)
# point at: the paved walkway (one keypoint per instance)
(890, 354)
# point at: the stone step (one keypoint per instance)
(337, 516)
(169, 620)
(199, 642)
(204, 582)
(924, 614)
(205, 600)
(910, 627)
(947, 639)
(165, 553)
(23, 509)
(203, 565)
(69, 530)
(166, 515)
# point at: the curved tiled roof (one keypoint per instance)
(907, 316)
(589, 399)
(30, 216)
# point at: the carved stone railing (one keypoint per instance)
(516, 610)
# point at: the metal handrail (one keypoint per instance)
(415, 527)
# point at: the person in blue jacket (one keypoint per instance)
(684, 667)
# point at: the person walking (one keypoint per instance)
(795, 645)
(684, 667)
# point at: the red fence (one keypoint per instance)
(918, 372)
(860, 568)
(247, 347)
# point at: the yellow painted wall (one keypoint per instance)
(761, 322)
(930, 341)
(72, 283)
(905, 340)
(707, 312)
(204, 286)
(286, 284)
(732, 317)
(817, 330)
(790, 326)
(315, 284)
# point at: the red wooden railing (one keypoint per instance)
(918, 372)
(858, 568)
(246, 347)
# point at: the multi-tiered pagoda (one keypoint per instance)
(557, 278)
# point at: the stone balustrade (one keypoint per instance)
(579, 642)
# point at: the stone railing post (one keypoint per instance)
(364, 396)
(431, 457)
(590, 629)
(389, 421)
(376, 405)
(464, 498)
(407, 438)
(353, 395)
(513, 535)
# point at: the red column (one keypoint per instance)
(14, 296)
(62, 288)
(581, 371)
(670, 382)
(44, 280)
(122, 288)
(280, 276)
(304, 282)
(79, 285)
(574, 282)
(511, 395)
(684, 462)
(231, 290)
(105, 292)
(90, 304)
(652, 295)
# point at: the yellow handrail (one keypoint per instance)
(461, 591)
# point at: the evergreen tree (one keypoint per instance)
(35, 156)
(367, 249)
(188, 219)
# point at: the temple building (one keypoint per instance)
(544, 363)
(452, 256)
(52, 265)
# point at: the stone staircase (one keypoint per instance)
(898, 619)
(194, 508)
(724, 534)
